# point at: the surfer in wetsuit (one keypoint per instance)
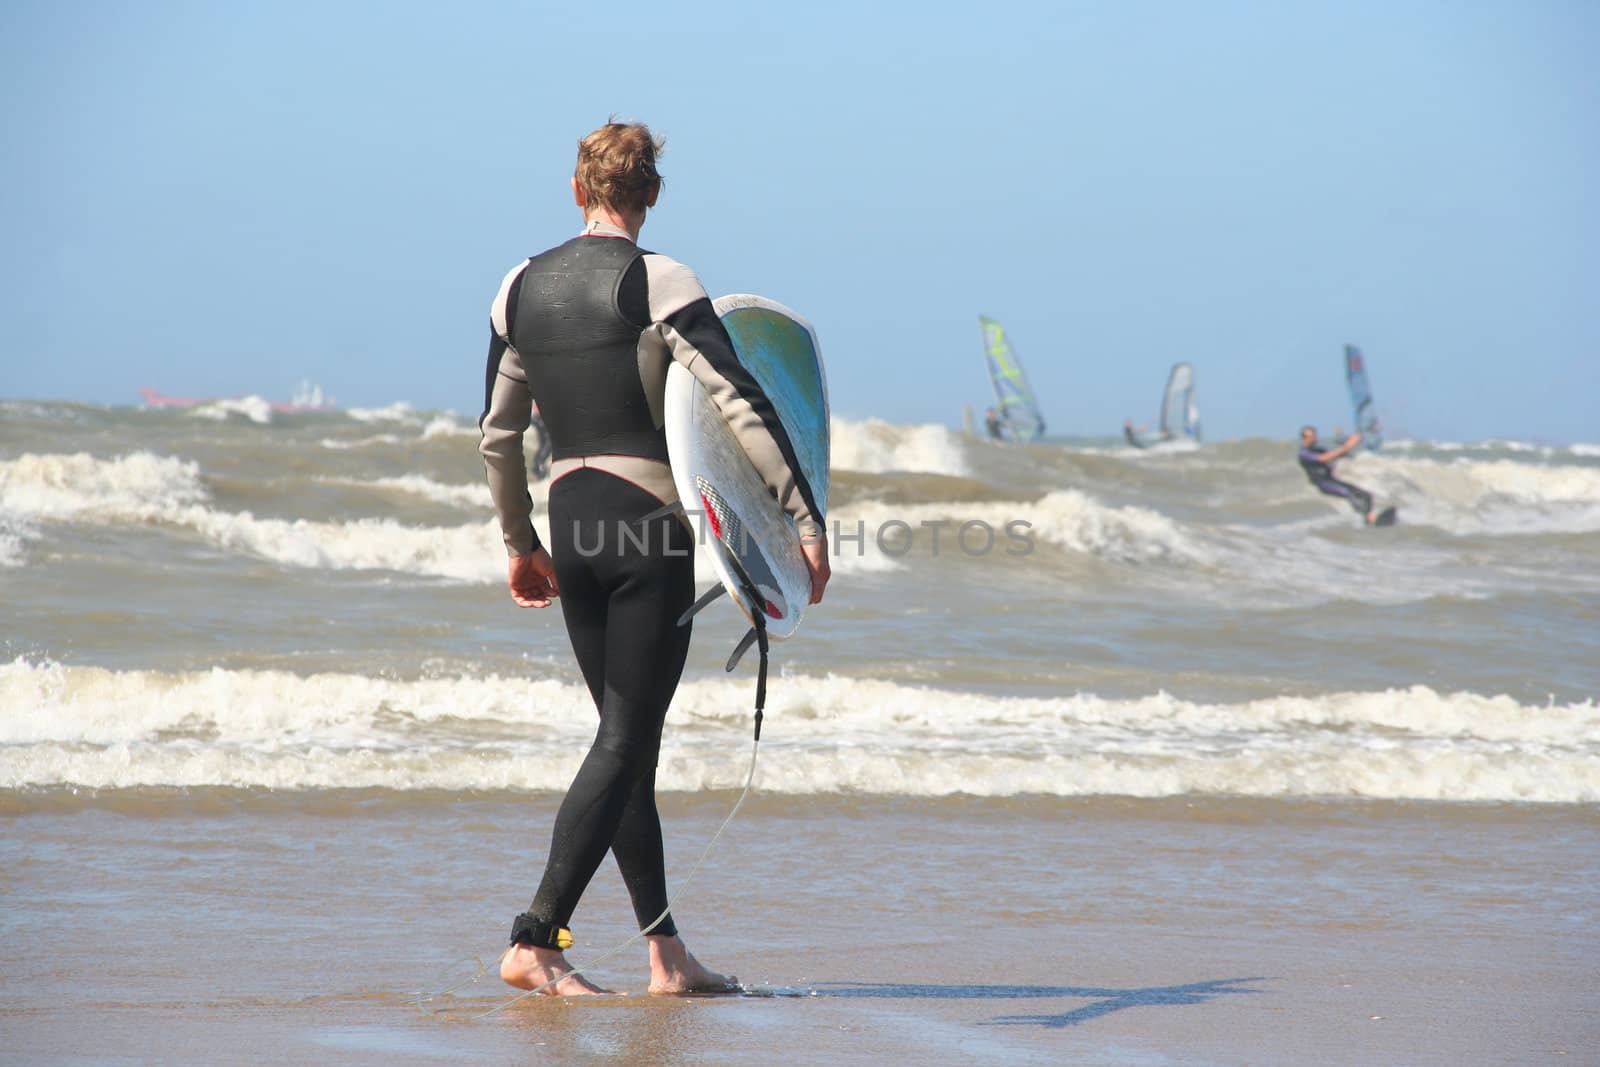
(991, 422)
(586, 330)
(1318, 465)
(1130, 433)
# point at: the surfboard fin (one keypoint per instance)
(741, 648)
(699, 605)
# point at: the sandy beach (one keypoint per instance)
(227, 927)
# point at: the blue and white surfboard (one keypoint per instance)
(752, 542)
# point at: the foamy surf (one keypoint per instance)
(91, 728)
(1067, 519)
(254, 409)
(873, 446)
(78, 485)
(1473, 497)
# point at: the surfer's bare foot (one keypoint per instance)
(674, 971)
(527, 967)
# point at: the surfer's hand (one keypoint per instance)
(533, 579)
(815, 547)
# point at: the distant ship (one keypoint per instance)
(307, 397)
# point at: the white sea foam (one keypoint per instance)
(146, 489)
(872, 446)
(475, 495)
(1066, 518)
(15, 534)
(1487, 496)
(92, 728)
(255, 408)
(1492, 446)
(397, 412)
(139, 485)
(1126, 534)
(448, 426)
(471, 553)
(333, 444)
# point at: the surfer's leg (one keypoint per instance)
(585, 824)
(646, 650)
(583, 607)
(601, 585)
(645, 654)
(1359, 498)
(637, 848)
(622, 601)
(1362, 501)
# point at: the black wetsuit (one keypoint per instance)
(1321, 475)
(587, 330)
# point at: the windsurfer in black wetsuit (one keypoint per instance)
(1130, 433)
(1318, 465)
(991, 423)
(586, 331)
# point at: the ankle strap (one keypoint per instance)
(540, 933)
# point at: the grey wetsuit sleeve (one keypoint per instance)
(507, 414)
(682, 316)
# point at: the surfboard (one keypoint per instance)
(1386, 517)
(751, 541)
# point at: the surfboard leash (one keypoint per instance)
(758, 637)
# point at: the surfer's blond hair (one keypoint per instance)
(617, 166)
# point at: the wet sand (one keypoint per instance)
(218, 927)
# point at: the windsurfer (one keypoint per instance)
(1318, 465)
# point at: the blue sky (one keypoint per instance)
(225, 198)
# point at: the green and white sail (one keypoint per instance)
(1016, 405)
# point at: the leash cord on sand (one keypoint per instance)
(424, 999)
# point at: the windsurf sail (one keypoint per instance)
(1018, 410)
(1355, 374)
(1180, 414)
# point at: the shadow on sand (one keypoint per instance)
(1105, 1001)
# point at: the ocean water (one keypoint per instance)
(231, 598)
